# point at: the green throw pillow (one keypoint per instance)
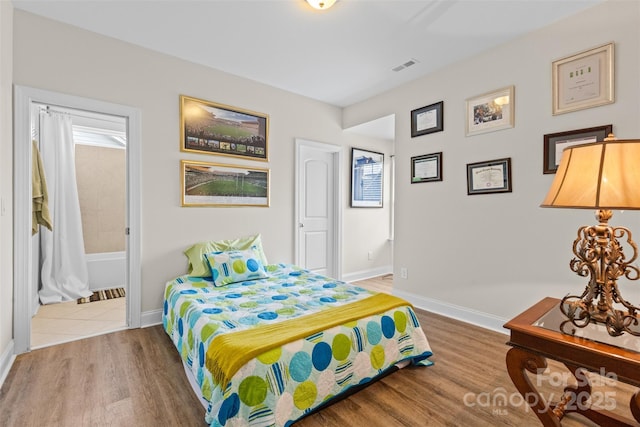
(198, 266)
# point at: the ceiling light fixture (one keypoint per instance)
(321, 4)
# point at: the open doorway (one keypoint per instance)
(97, 161)
(369, 233)
(25, 101)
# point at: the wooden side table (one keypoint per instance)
(536, 336)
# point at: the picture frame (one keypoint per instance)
(554, 143)
(583, 80)
(491, 111)
(426, 168)
(222, 185)
(211, 128)
(367, 178)
(427, 119)
(493, 176)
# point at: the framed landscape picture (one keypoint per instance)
(213, 184)
(210, 128)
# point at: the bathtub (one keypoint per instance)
(106, 270)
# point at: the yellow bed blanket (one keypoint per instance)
(229, 352)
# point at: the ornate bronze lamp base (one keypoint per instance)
(600, 256)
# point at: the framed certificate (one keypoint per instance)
(426, 168)
(427, 119)
(489, 177)
(583, 80)
(555, 143)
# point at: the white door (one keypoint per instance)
(317, 218)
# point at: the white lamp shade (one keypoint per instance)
(601, 175)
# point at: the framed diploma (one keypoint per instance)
(554, 143)
(489, 177)
(583, 80)
(427, 119)
(426, 168)
(491, 111)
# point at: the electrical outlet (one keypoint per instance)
(404, 274)
(369, 255)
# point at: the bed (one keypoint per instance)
(267, 344)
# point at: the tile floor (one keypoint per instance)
(70, 321)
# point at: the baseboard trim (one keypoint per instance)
(150, 318)
(6, 362)
(367, 274)
(464, 314)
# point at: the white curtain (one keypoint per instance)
(64, 273)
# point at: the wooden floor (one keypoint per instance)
(135, 378)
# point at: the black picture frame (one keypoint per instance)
(367, 178)
(493, 176)
(426, 120)
(426, 168)
(554, 143)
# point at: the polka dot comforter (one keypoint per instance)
(288, 381)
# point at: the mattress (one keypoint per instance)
(274, 376)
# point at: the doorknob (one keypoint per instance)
(301, 225)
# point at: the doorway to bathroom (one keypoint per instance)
(82, 292)
(106, 136)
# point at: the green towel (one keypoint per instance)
(40, 201)
(229, 352)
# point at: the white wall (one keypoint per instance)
(62, 58)
(498, 254)
(6, 191)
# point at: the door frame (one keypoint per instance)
(336, 231)
(22, 248)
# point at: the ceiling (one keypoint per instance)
(340, 56)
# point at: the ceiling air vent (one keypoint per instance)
(409, 63)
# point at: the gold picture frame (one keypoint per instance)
(215, 184)
(210, 128)
(583, 80)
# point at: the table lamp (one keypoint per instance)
(602, 176)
